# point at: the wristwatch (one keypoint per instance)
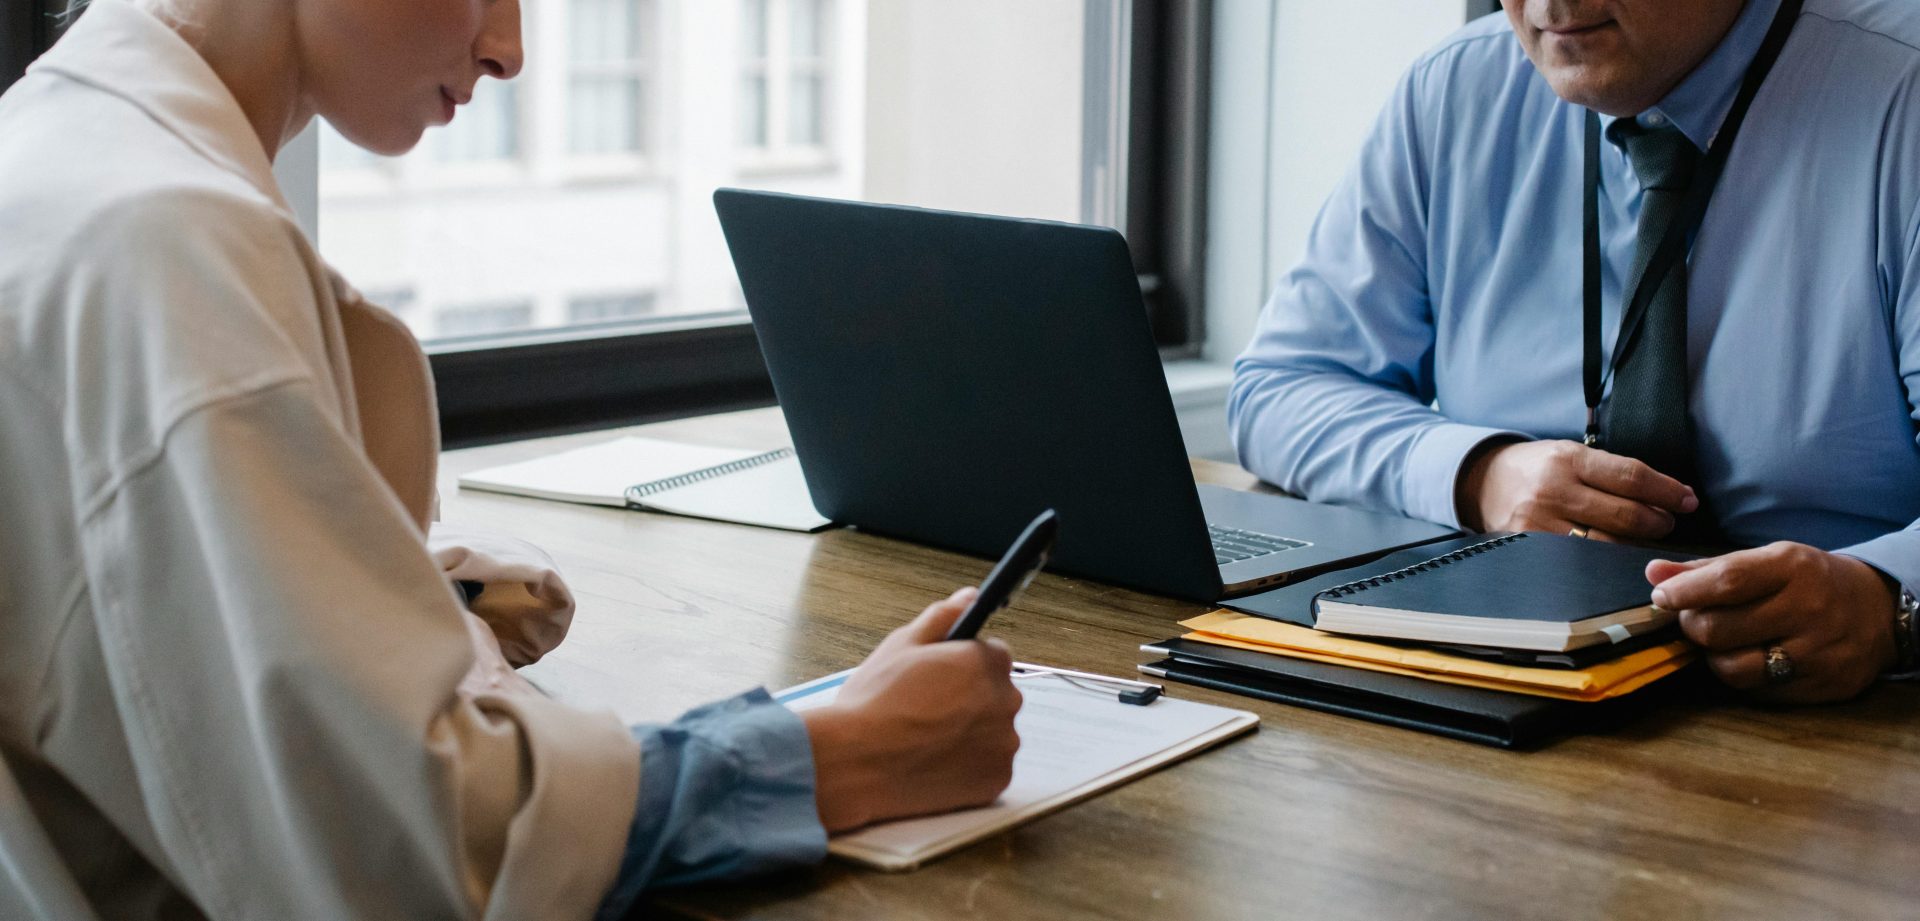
(1906, 621)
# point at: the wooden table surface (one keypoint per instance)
(1708, 810)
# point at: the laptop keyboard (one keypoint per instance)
(1232, 545)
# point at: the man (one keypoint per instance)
(1428, 354)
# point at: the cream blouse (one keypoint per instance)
(228, 644)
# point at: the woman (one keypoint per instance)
(216, 475)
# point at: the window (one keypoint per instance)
(755, 44)
(806, 74)
(611, 308)
(607, 76)
(556, 245)
(482, 319)
(397, 300)
(487, 131)
(784, 67)
(339, 155)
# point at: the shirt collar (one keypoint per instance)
(121, 49)
(1700, 102)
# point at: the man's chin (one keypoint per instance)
(1598, 89)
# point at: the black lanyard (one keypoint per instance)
(1673, 246)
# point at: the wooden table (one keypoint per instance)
(1701, 811)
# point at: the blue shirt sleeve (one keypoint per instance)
(1898, 554)
(1333, 399)
(726, 790)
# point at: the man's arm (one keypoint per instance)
(1897, 555)
(1332, 400)
(1831, 613)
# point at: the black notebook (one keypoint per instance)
(1471, 714)
(1543, 592)
(1477, 715)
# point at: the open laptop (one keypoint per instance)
(947, 376)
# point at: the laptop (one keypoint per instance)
(945, 377)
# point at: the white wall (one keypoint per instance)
(1297, 83)
(976, 106)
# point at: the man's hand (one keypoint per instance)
(921, 726)
(1557, 486)
(1832, 615)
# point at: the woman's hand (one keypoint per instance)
(921, 726)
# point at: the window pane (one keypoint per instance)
(753, 110)
(338, 153)
(482, 319)
(973, 105)
(605, 308)
(605, 115)
(806, 28)
(753, 28)
(605, 31)
(487, 128)
(804, 128)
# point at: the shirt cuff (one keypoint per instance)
(1896, 554)
(726, 790)
(1435, 464)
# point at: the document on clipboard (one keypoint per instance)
(1076, 740)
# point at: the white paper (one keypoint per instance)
(1071, 740)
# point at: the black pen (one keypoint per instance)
(1021, 563)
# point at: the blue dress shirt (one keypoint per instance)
(1439, 304)
(726, 790)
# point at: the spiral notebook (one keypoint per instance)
(763, 488)
(1514, 591)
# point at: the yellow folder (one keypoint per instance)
(1618, 677)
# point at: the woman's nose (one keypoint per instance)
(498, 48)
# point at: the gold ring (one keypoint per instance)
(1580, 531)
(1779, 666)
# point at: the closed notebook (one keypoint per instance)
(763, 488)
(1469, 714)
(1534, 591)
(1293, 604)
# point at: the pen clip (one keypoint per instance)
(1127, 691)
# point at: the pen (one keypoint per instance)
(1084, 676)
(1016, 568)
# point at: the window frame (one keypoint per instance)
(573, 380)
(1169, 101)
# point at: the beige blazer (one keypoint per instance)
(235, 682)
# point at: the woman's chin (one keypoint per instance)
(389, 141)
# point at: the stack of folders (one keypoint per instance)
(1503, 639)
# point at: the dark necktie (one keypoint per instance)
(1646, 417)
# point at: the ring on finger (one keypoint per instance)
(1779, 666)
(1579, 530)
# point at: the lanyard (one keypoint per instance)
(1673, 245)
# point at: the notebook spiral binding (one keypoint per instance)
(643, 490)
(1352, 588)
